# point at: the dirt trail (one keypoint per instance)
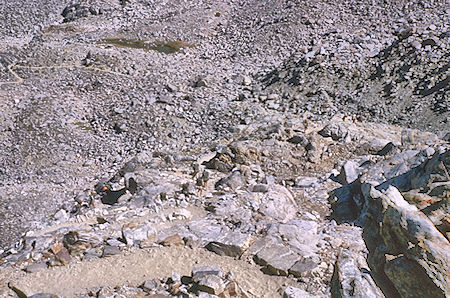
(134, 268)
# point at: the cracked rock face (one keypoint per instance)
(224, 148)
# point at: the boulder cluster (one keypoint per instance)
(375, 225)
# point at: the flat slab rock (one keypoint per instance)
(292, 292)
(277, 258)
(232, 244)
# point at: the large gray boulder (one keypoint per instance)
(410, 250)
(352, 277)
(417, 244)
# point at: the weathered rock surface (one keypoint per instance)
(278, 204)
(353, 278)
(414, 244)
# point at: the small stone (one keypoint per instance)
(35, 267)
(292, 292)
(134, 234)
(173, 240)
(61, 215)
(171, 88)
(337, 131)
(91, 254)
(278, 203)
(176, 277)
(258, 245)
(233, 244)
(61, 254)
(175, 288)
(233, 181)
(429, 42)
(150, 285)
(110, 251)
(389, 148)
(301, 235)
(200, 83)
(415, 44)
(120, 127)
(206, 230)
(408, 137)
(43, 295)
(272, 96)
(277, 258)
(18, 289)
(404, 33)
(182, 214)
(260, 188)
(200, 271)
(305, 182)
(246, 81)
(211, 284)
(302, 266)
(232, 289)
(298, 139)
(349, 172)
(114, 242)
(71, 238)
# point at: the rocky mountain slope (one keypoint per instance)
(224, 148)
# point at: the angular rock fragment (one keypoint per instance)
(233, 181)
(221, 163)
(61, 215)
(200, 271)
(21, 292)
(75, 11)
(337, 131)
(111, 197)
(349, 172)
(110, 251)
(260, 188)
(302, 266)
(43, 295)
(306, 182)
(232, 244)
(409, 277)
(277, 259)
(61, 254)
(207, 230)
(298, 139)
(150, 285)
(211, 284)
(292, 292)
(389, 148)
(404, 237)
(92, 254)
(301, 235)
(232, 289)
(134, 234)
(408, 231)
(352, 277)
(173, 240)
(36, 267)
(278, 204)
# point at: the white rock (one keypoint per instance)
(61, 215)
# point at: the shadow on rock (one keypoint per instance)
(408, 255)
